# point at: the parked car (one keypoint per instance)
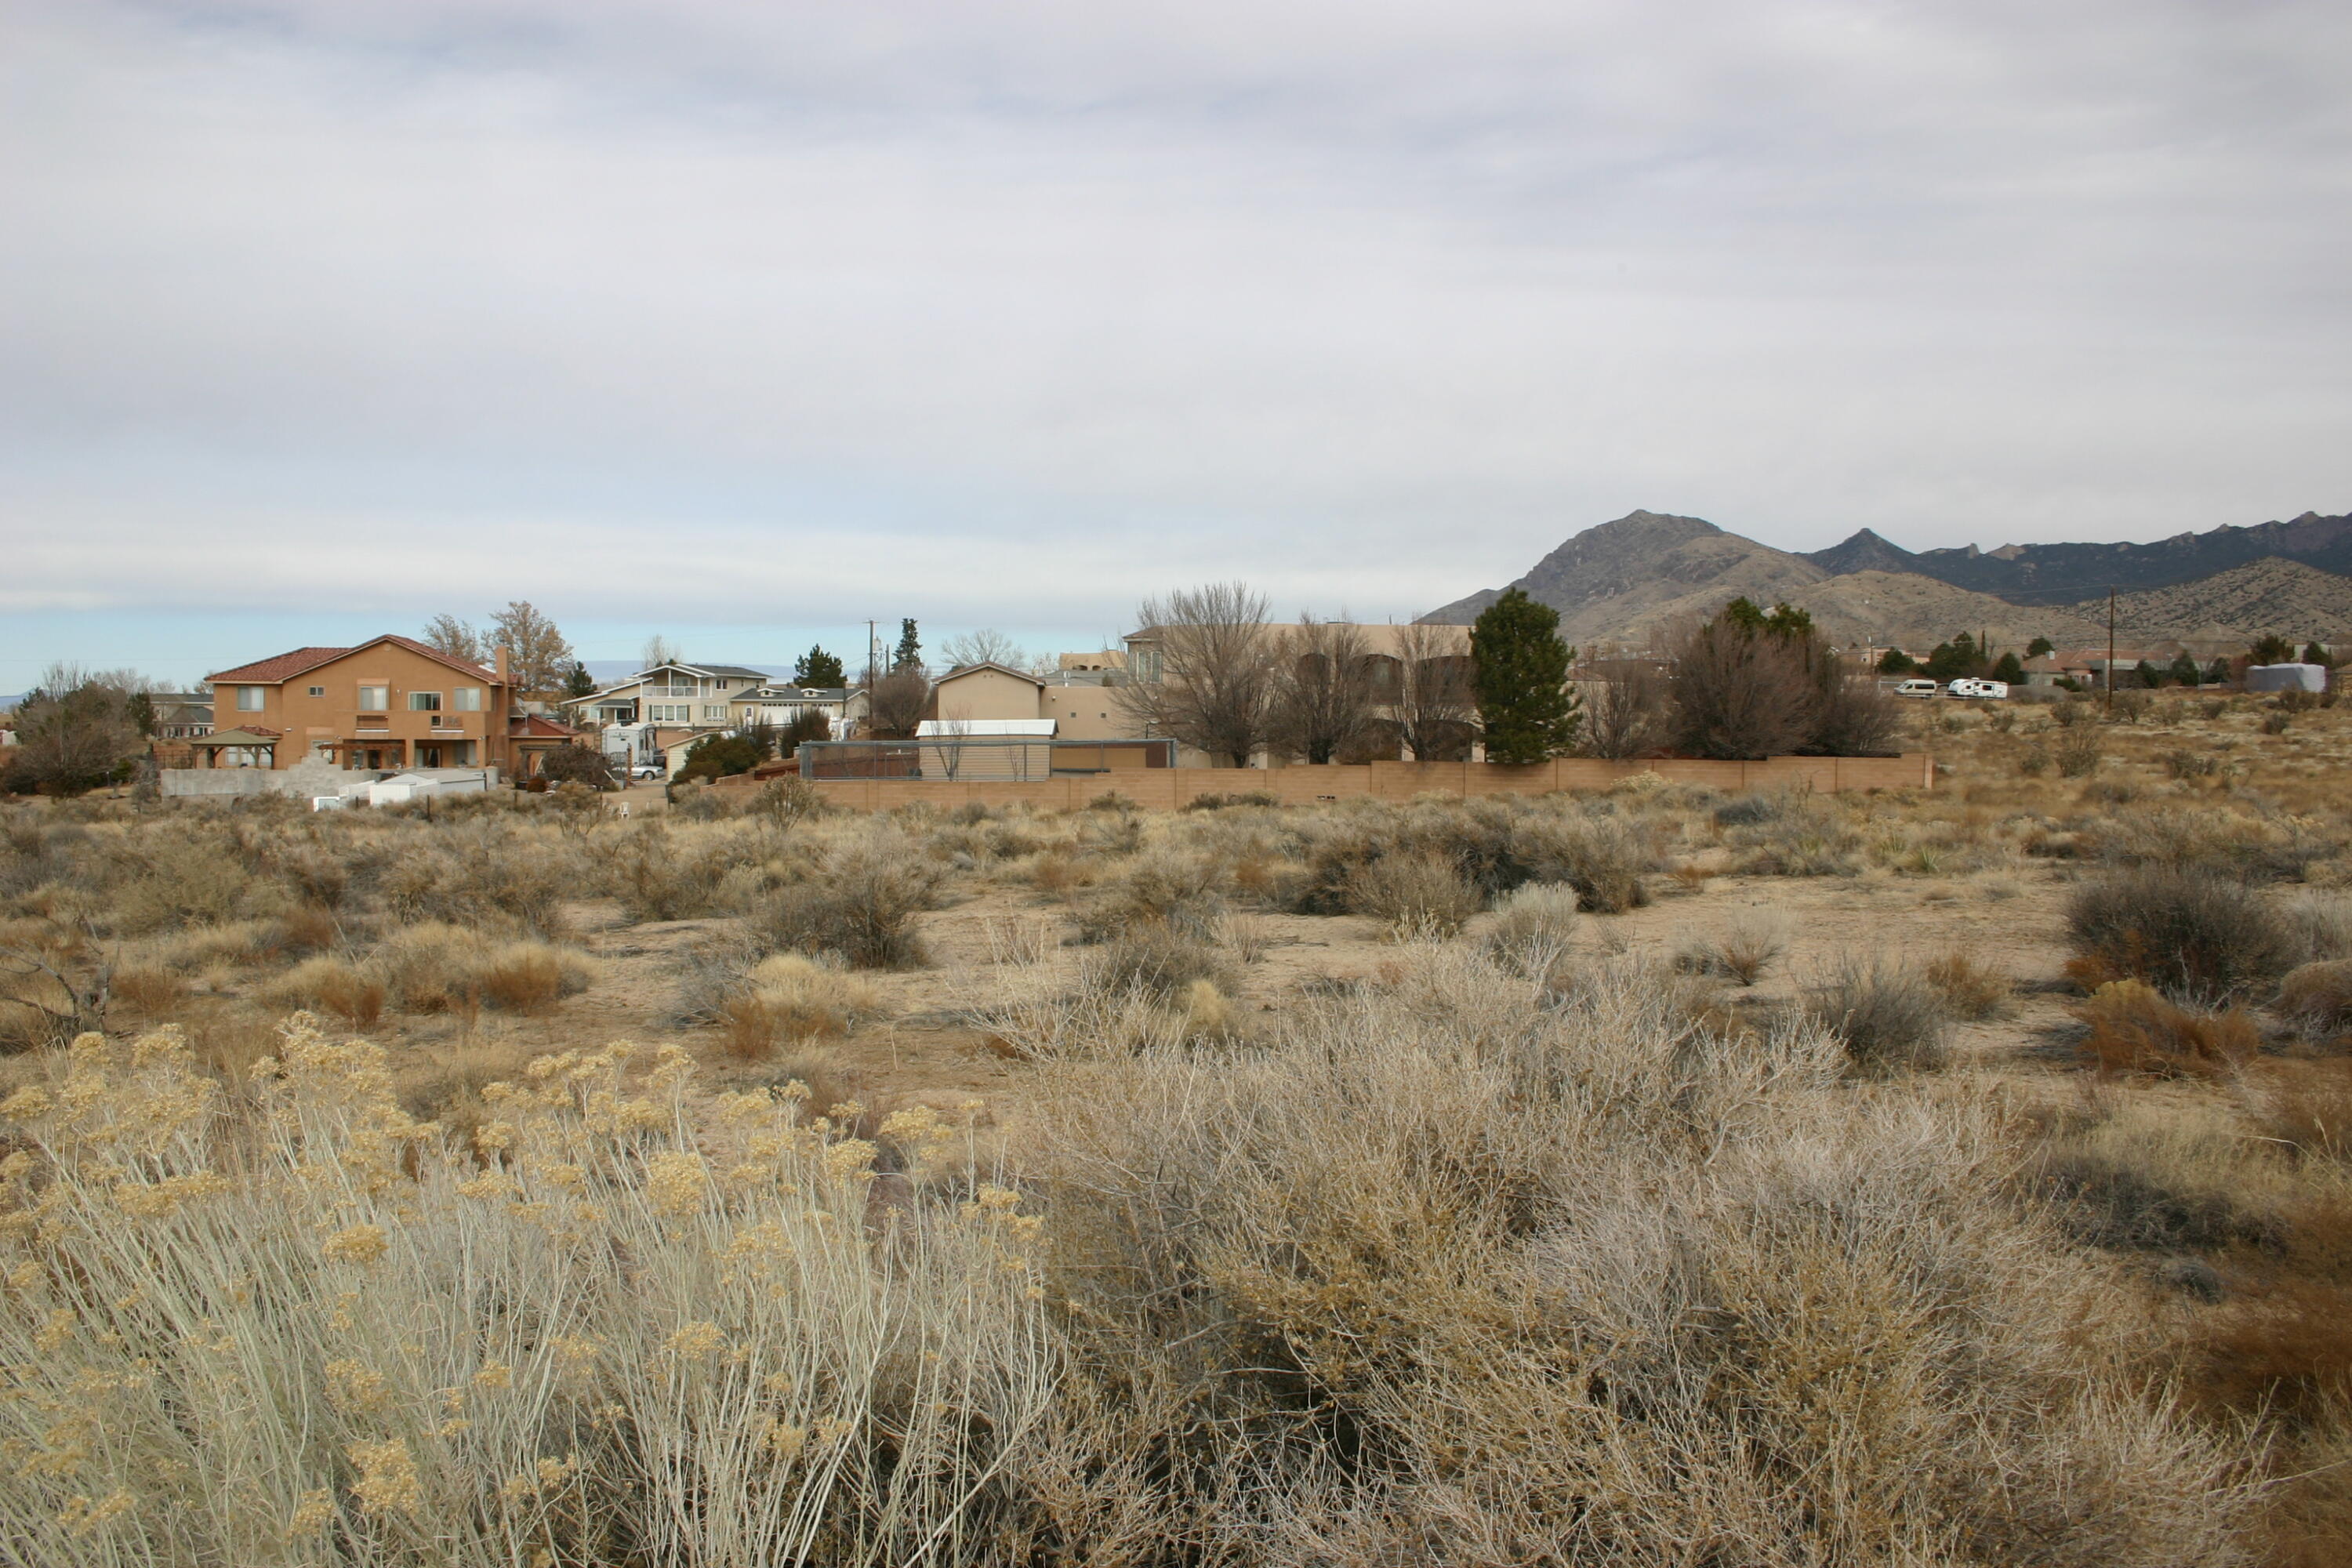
(645, 771)
(1915, 688)
(1969, 686)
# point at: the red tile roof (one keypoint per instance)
(535, 726)
(285, 667)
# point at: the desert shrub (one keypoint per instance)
(1412, 894)
(2188, 932)
(1740, 950)
(2270, 848)
(2033, 761)
(2183, 763)
(764, 1384)
(2077, 752)
(1603, 859)
(2276, 723)
(2129, 707)
(1238, 797)
(153, 992)
(430, 967)
(1886, 1017)
(1162, 887)
(531, 977)
(861, 903)
(2133, 1027)
(1803, 834)
(204, 876)
(1533, 925)
(659, 875)
(2318, 924)
(1966, 988)
(334, 986)
(2160, 1179)
(1309, 1274)
(2317, 995)
(1158, 961)
(789, 998)
(481, 873)
(1747, 810)
(2072, 712)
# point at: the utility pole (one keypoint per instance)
(2111, 653)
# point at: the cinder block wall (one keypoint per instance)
(1167, 789)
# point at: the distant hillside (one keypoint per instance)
(1625, 581)
(2035, 573)
(1608, 577)
(2288, 597)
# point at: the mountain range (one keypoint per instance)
(1624, 581)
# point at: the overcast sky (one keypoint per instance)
(747, 321)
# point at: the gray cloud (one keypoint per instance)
(1009, 313)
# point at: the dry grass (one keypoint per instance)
(2133, 1027)
(1740, 950)
(789, 1000)
(1967, 988)
(1411, 895)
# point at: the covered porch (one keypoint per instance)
(244, 747)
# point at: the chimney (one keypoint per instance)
(502, 664)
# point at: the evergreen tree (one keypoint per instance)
(2039, 647)
(911, 648)
(1522, 678)
(817, 668)
(2273, 649)
(579, 683)
(2009, 669)
(1955, 659)
(2147, 675)
(2218, 673)
(2314, 654)
(1894, 661)
(2183, 671)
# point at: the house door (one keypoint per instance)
(428, 756)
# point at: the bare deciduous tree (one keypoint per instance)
(1739, 692)
(895, 702)
(984, 645)
(1853, 718)
(1436, 698)
(539, 659)
(76, 730)
(458, 638)
(1323, 698)
(1204, 676)
(658, 651)
(1624, 710)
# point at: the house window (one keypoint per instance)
(466, 699)
(375, 698)
(714, 712)
(424, 702)
(671, 713)
(317, 690)
(248, 699)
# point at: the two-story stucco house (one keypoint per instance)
(390, 703)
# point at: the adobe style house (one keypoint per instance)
(392, 703)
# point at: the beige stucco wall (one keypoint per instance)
(1085, 713)
(988, 694)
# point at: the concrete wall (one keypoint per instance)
(1166, 789)
(306, 780)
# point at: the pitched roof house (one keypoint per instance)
(391, 702)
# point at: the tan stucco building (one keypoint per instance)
(391, 703)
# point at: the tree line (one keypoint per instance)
(1215, 676)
